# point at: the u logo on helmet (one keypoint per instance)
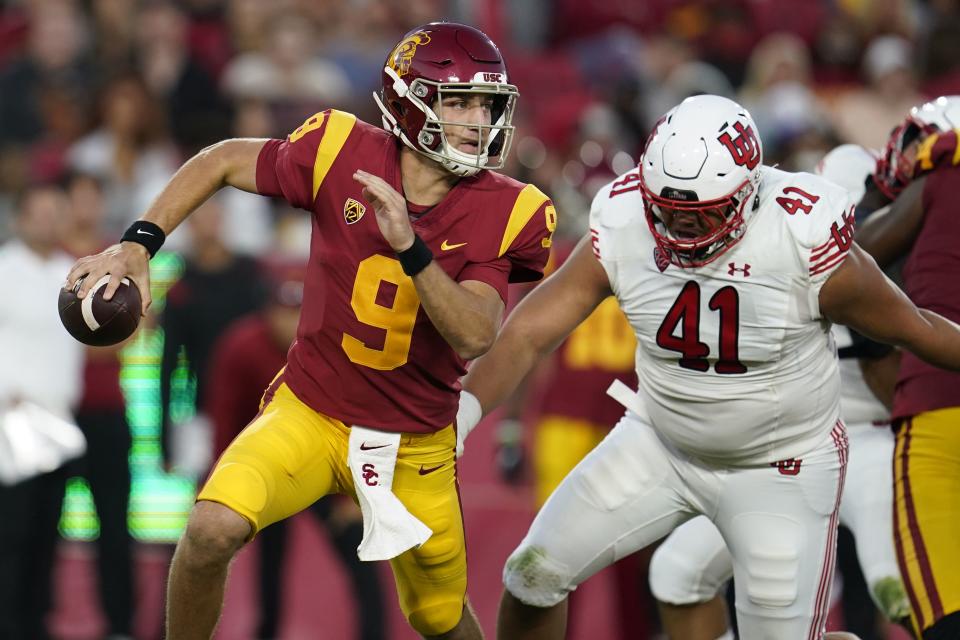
(402, 56)
(745, 149)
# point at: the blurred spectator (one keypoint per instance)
(778, 93)
(251, 226)
(209, 37)
(883, 17)
(729, 35)
(780, 58)
(216, 288)
(102, 418)
(357, 47)
(245, 20)
(129, 151)
(287, 72)
(64, 119)
(674, 73)
(197, 114)
(837, 47)
(54, 57)
(940, 49)
(41, 364)
(114, 23)
(866, 116)
(245, 359)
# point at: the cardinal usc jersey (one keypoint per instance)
(930, 275)
(735, 363)
(938, 150)
(366, 353)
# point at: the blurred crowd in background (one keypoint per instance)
(126, 90)
(105, 99)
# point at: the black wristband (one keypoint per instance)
(416, 258)
(145, 233)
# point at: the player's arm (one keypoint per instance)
(860, 296)
(467, 313)
(880, 374)
(538, 325)
(889, 236)
(230, 162)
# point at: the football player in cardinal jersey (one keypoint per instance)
(690, 567)
(922, 222)
(395, 303)
(730, 273)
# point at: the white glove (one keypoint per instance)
(468, 415)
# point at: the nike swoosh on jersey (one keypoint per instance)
(447, 247)
(364, 447)
(424, 472)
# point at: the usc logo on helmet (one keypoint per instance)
(744, 148)
(402, 56)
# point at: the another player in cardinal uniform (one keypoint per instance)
(922, 222)
(730, 273)
(414, 243)
(690, 567)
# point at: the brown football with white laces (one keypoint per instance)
(98, 322)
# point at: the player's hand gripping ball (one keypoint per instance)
(98, 322)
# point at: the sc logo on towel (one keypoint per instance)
(370, 475)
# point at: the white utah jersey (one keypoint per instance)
(735, 363)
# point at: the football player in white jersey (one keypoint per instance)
(688, 570)
(730, 273)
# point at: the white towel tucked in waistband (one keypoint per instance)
(622, 393)
(388, 528)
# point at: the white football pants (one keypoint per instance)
(693, 563)
(779, 523)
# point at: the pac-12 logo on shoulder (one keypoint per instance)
(661, 259)
(353, 211)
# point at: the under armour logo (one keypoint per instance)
(370, 475)
(745, 148)
(789, 467)
(732, 268)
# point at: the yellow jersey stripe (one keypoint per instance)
(339, 126)
(529, 200)
(925, 151)
(956, 150)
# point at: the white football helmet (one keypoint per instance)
(701, 167)
(849, 166)
(894, 171)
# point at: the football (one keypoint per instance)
(98, 322)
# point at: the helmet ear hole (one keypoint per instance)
(398, 108)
